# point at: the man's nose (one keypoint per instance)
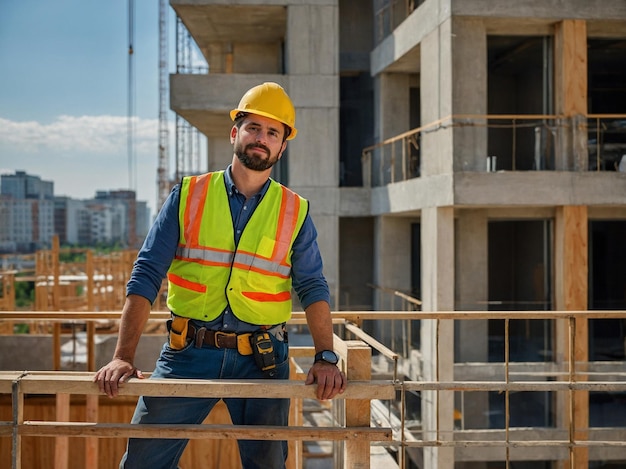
(261, 136)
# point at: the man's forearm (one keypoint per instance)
(320, 325)
(134, 317)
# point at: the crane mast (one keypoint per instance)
(163, 168)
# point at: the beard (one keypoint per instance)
(255, 162)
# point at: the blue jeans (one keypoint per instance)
(209, 363)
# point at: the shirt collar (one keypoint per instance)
(232, 189)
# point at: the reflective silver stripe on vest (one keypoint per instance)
(262, 264)
(219, 257)
(226, 258)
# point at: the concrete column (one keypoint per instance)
(437, 225)
(454, 82)
(392, 259)
(472, 337)
(314, 29)
(468, 48)
(314, 88)
(219, 152)
(328, 240)
(436, 100)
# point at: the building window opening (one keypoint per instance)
(520, 82)
(519, 279)
(607, 289)
(606, 62)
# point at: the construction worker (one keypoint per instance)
(232, 244)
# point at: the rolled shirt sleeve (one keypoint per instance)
(157, 252)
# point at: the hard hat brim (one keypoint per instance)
(292, 134)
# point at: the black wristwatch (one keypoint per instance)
(327, 356)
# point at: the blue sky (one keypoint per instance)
(64, 93)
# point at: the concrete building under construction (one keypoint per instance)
(464, 152)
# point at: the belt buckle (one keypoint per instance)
(219, 334)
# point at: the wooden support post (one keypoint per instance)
(56, 346)
(91, 402)
(358, 367)
(18, 419)
(570, 78)
(61, 443)
(90, 282)
(572, 266)
(91, 443)
(294, 459)
(56, 270)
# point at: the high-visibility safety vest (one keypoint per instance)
(209, 272)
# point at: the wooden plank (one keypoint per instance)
(358, 412)
(18, 419)
(211, 432)
(571, 67)
(91, 444)
(6, 381)
(6, 428)
(81, 383)
(338, 316)
(61, 444)
(572, 265)
(298, 351)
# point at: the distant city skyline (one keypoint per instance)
(31, 214)
(64, 95)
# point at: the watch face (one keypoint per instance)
(330, 357)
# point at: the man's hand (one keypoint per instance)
(111, 376)
(330, 381)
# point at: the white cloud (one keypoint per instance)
(88, 134)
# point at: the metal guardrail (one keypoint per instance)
(509, 143)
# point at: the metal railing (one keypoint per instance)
(508, 143)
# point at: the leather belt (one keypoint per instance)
(202, 336)
(219, 339)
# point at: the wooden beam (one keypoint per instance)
(571, 67)
(212, 432)
(358, 361)
(81, 383)
(339, 316)
(572, 269)
(61, 444)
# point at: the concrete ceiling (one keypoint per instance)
(208, 123)
(233, 23)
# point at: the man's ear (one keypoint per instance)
(233, 134)
(282, 149)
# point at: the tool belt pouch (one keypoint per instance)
(178, 332)
(263, 352)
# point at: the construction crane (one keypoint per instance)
(130, 142)
(163, 182)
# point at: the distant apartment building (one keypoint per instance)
(109, 218)
(30, 215)
(26, 212)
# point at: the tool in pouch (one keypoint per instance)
(178, 332)
(263, 352)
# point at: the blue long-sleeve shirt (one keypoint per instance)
(160, 245)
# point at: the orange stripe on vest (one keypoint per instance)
(181, 282)
(258, 296)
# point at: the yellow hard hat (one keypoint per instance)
(268, 100)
